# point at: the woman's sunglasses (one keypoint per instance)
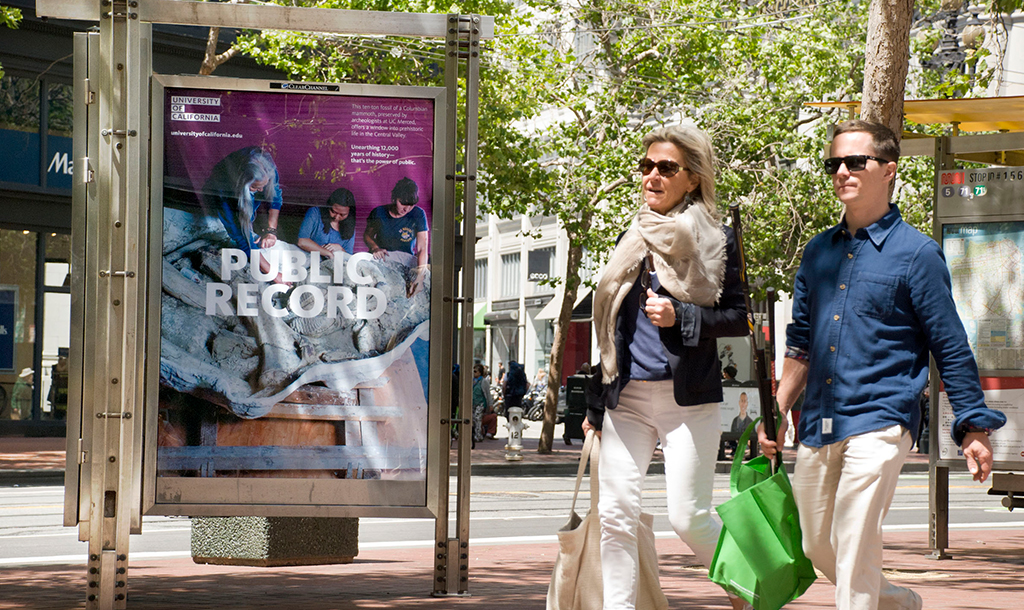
(667, 169)
(853, 163)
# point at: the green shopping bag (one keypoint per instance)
(759, 555)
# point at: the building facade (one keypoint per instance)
(516, 302)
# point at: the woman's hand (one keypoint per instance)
(379, 254)
(587, 427)
(659, 310)
(417, 283)
(268, 240)
(332, 247)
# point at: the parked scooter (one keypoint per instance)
(533, 404)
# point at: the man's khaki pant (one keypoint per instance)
(843, 492)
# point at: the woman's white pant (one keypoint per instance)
(689, 437)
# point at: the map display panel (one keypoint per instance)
(984, 261)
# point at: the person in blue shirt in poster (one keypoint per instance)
(398, 231)
(237, 188)
(871, 300)
(330, 228)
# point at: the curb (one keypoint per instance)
(31, 477)
(489, 469)
(525, 469)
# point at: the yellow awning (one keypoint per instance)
(975, 114)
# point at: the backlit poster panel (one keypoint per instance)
(296, 282)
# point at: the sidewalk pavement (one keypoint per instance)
(983, 573)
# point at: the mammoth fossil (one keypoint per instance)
(246, 344)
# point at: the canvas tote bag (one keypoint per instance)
(576, 580)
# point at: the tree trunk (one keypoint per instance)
(572, 283)
(887, 56)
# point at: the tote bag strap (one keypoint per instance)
(591, 451)
(737, 459)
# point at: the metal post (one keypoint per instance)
(462, 42)
(116, 227)
(938, 476)
(469, 50)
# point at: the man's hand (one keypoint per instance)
(268, 240)
(770, 447)
(380, 254)
(978, 452)
(660, 310)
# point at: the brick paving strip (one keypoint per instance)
(983, 575)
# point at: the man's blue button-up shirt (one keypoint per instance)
(867, 309)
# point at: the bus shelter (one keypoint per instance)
(221, 371)
(978, 218)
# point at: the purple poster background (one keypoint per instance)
(320, 374)
(319, 143)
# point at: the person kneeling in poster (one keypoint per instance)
(237, 187)
(330, 228)
(398, 231)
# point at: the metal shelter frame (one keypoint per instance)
(1004, 115)
(106, 415)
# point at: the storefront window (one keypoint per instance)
(60, 110)
(34, 384)
(480, 279)
(56, 325)
(19, 103)
(18, 280)
(35, 132)
(19, 130)
(545, 339)
(542, 267)
(510, 275)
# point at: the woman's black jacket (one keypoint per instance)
(696, 371)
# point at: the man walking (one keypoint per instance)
(872, 298)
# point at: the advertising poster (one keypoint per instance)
(1004, 394)
(295, 301)
(741, 405)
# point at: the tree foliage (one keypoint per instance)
(9, 17)
(569, 87)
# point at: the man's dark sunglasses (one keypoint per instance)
(854, 163)
(667, 169)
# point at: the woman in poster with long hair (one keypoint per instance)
(238, 186)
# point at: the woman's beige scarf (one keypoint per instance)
(688, 249)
